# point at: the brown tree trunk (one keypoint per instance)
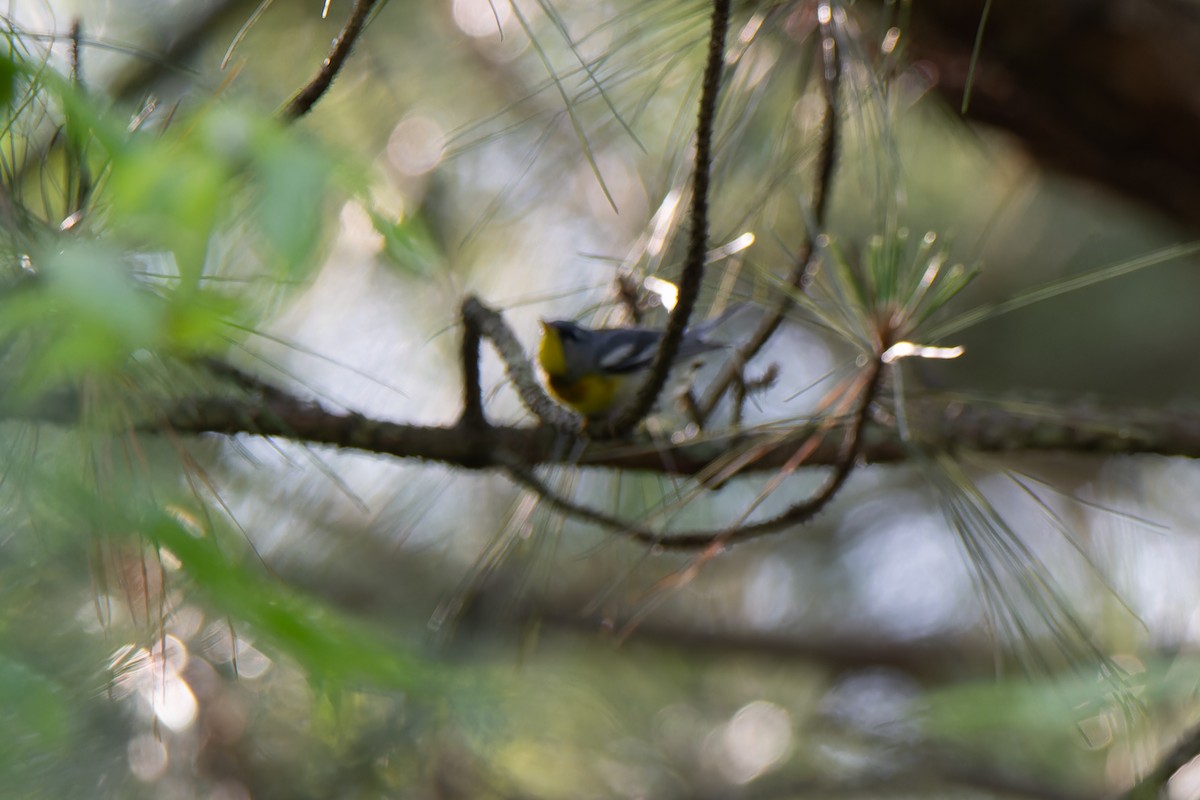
(1108, 90)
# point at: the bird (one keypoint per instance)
(596, 371)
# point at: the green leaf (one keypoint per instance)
(8, 80)
(170, 194)
(85, 314)
(294, 181)
(30, 704)
(198, 322)
(409, 243)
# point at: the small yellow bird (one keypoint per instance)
(596, 371)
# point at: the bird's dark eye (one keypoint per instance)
(567, 331)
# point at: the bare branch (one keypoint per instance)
(1037, 77)
(77, 182)
(731, 372)
(940, 422)
(308, 96)
(472, 413)
(693, 266)
(932, 661)
(797, 514)
(483, 321)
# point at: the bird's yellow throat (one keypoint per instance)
(550, 353)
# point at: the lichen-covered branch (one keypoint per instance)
(952, 423)
(481, 321)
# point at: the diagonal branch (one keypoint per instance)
(311, 92)
(1038, 78)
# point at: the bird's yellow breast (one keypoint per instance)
(551, 358)
(592, 395)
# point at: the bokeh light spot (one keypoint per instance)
(481, 18)
(147, 757)
(416, 145)
(757, 737)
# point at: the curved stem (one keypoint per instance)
(481, 321)
(699, 539)
(693, 266)
(804, 261)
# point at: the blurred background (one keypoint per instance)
(367, 627)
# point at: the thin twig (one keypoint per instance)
(75, 63)
(307, 97)
(472, 413)
(693, 266)
(797, 514)
(804, 261)
(485, 322)
(629, 297)
(78, 185)
(831, 82)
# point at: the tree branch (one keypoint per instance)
(481, 321)
(307, 97)
(472, 412)
(731, 372)
(739, 531)
(940, 422)
(693, 265)
(1104, 90)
